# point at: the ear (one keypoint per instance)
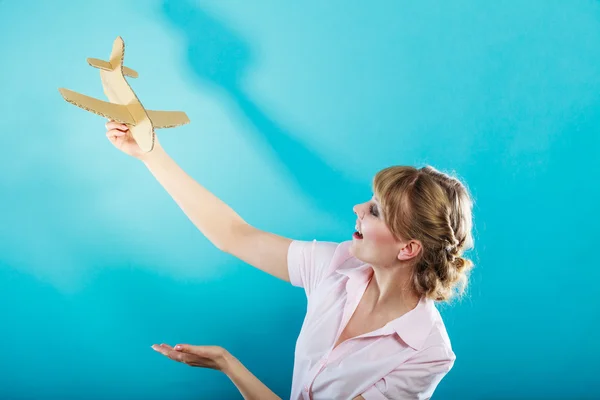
(411, 249)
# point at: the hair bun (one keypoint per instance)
(461, 264)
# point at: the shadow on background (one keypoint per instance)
(220, 58)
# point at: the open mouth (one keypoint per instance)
(357, 234)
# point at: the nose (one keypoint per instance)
(358, 211)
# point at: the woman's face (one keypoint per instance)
(377, 246)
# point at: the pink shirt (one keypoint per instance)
(406, 359)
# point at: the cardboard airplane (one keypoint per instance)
(124, 105)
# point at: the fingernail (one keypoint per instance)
(178, 347)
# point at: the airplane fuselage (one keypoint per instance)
(118, 91)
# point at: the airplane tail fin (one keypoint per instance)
(116, 59)
(101, 64)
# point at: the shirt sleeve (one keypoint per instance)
(416, 379)
(309, 263)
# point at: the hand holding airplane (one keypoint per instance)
(124, 106)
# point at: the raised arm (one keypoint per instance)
(215, 219)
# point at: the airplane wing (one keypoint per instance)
(112, 111)
(167, 119)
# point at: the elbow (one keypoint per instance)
(228, 238)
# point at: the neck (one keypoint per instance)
(392, 288)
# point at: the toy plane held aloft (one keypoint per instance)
(124, 105)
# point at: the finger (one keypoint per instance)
(157, 347)
(114, 133)
(168, 352)
(116, 125)
(177, 355)
(201, 351)
(186, 348)
(162, 347)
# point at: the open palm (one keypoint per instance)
(213, 357)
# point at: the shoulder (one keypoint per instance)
(423, 329)
(434, 352)
(332, 255)
(438, 343)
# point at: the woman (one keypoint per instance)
(371, 330)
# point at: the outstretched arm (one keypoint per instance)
(207, 212)
(221, 225)
(216, 357)
(217, 221)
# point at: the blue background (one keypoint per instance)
(294, 107)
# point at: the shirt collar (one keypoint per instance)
(414, 326)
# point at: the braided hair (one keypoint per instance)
(436, 209)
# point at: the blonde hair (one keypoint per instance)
(436, 209)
